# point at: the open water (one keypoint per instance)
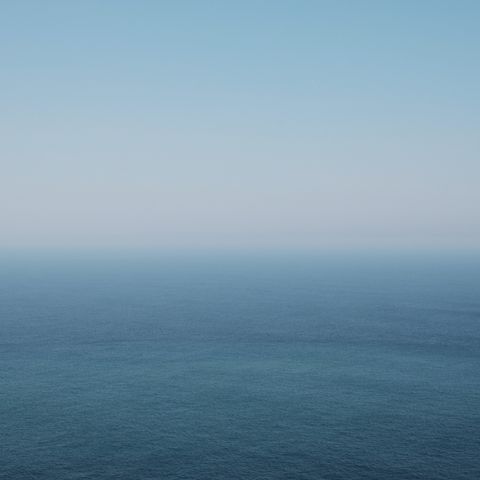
(240, 367)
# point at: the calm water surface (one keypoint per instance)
(241, 367)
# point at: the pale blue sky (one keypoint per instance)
(272, 124)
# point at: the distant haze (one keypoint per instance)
(218, 124)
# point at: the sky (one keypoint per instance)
(240, 124)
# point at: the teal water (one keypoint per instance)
(241, 367)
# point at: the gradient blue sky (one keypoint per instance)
(273, 124)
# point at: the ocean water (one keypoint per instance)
(240, 367)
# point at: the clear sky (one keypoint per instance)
(272, 124)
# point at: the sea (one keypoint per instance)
(251, 365)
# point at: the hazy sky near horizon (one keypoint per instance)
(296, 124)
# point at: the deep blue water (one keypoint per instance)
(240, 367)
